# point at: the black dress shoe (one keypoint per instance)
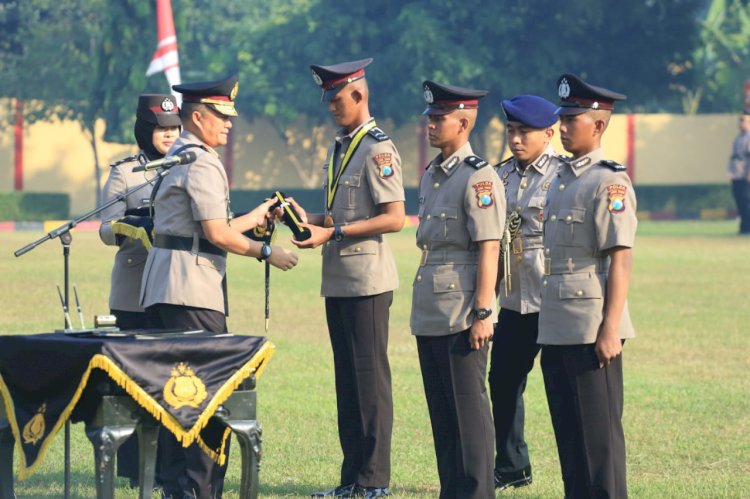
(507, 479)
(370, 492)
(340, 491)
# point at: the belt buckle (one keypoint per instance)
(423, 260)
(517, 245)
(547, 266)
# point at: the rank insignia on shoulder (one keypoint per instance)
(503, 162)
(378, 134)
(475, 162)
(126, 159)
(613, 165)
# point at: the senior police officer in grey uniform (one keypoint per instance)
(589, 231)
(527, 176)
(183, 283)
(157, 126)
(364, 198)
(461, 216)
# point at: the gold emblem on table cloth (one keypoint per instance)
(34, 430)
(184, 388)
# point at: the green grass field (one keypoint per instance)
(687, 374)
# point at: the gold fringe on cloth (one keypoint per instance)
(255, 365)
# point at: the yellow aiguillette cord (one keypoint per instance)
(333, 184)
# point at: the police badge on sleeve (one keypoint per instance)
(483, 191)
(616, 198)
(384, 164)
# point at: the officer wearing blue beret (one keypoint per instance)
(461, 217)
(589, 231)
(526, 176)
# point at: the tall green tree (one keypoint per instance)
(720, 63)
(82, 61)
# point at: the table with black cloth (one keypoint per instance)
(197, 385)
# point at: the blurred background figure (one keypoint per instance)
(739, 171)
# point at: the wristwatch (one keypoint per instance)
(338, 234)
(482, 313)
(265, 251)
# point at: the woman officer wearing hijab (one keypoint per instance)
(126, 224)
(157, 126)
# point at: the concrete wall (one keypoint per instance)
(668, 149)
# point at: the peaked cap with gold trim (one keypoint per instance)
(219, 94)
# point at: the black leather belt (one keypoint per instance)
(183, 243)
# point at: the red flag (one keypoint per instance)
(165, 58)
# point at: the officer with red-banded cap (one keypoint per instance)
(364, 199)
(461, 219)
(527, 176)
(184, 283)
(589, 231)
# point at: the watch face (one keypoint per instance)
(482, 313)
(265, 251)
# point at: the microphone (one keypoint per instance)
(168, 162)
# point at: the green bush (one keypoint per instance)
(34, 206)
(684, 198)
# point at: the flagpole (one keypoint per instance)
(166, 59)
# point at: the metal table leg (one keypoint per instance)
(6, 457)
(239, 413)
(116, 419)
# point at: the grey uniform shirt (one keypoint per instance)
(361, 266)
(459, 205)
(525, 193)
(739, 163)
(189, 194)
(591, 207)
(131, 255)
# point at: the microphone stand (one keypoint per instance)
(66, 238)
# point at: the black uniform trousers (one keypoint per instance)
(453, 375)
(741, 193)
(514, 349)
(585, 403)
(358, 328)
(186, 472)
(127, 453)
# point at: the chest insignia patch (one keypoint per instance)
(384, 164)
(484, 195)
(616, 198)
